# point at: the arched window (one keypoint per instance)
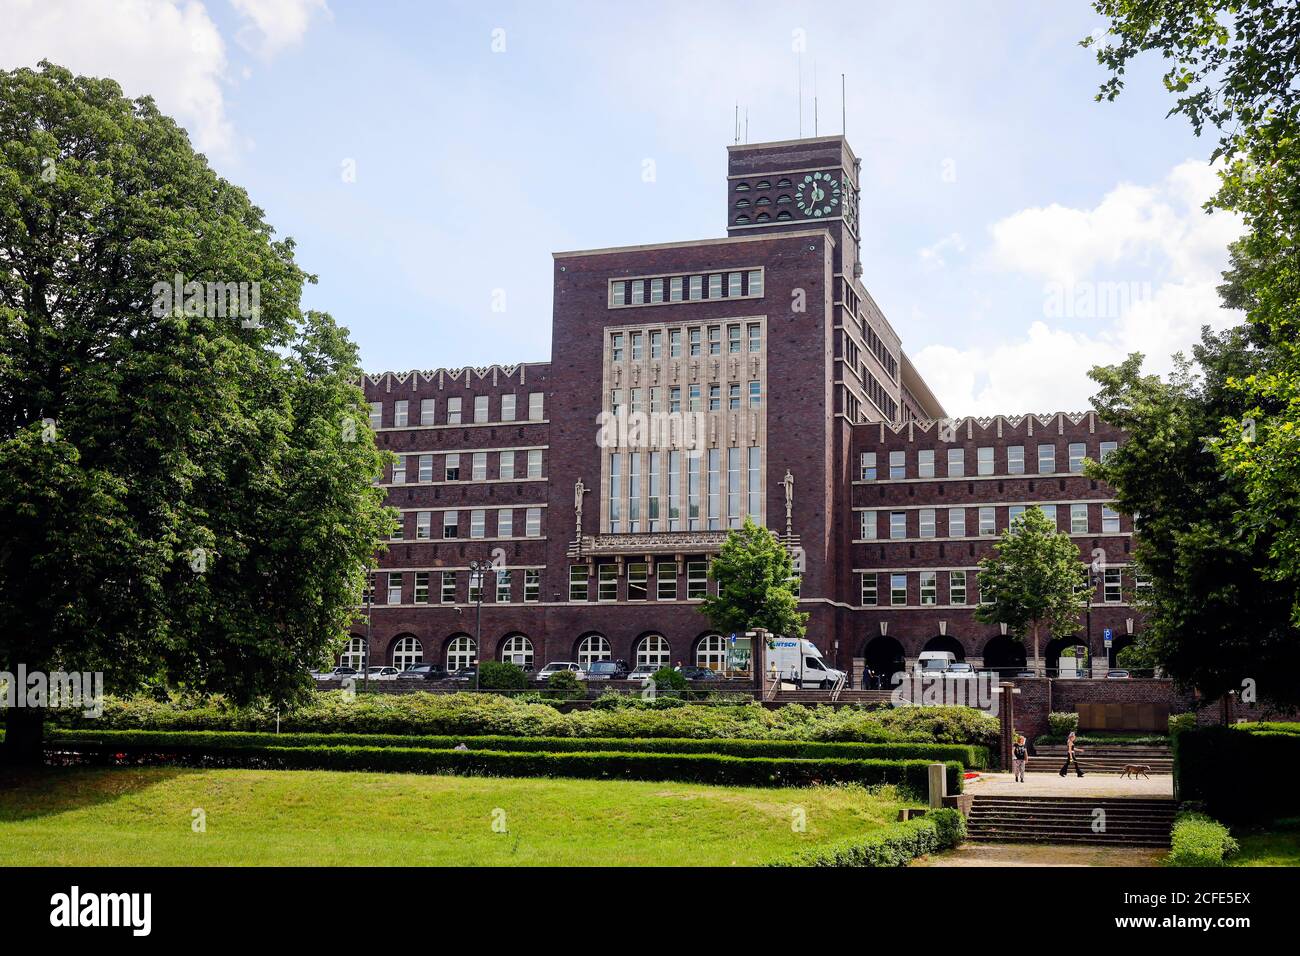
(762, 217)
(763, 201)
(742, 203)
(711, 652)
(782, 199)
(782, 182)
(740, 219)
(783, 215)
(354, 655)
(517, 650)
(593, 648)
(653, 651)
(763, 184)
(461, 652)
(407, 651)
(742, 187)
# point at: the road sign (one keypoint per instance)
(1107, 634)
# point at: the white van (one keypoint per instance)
(931, 663)
(799, 662)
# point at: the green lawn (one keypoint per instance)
(142, 816)
(1279, 846)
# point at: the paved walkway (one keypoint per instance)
(1035, 854)
(1054, 785)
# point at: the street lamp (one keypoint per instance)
(370, 600)
(1094, 578)
(478, 569)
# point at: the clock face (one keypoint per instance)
(818, 195)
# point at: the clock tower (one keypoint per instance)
(792, 185)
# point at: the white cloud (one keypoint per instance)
(276, 25)
(932, 256)
(169, 50)
(1136, 273)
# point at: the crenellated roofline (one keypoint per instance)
(1044, 421)
(464, 376)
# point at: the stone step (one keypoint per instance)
(1094, 839)
(1013, 819)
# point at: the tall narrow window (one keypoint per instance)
(714, 502)
(956, 522)
(988, 521)
(505, 523)
(715, 340)
(421, 587)
(533, 522)
(867, 466)
(697, 580)
(897, 589)
(1015, 459)
(447, 592)
(653, 490)
(634, 492)
(506, 469)
(399, 470)
(453, 411)
(577, 582)
(868, 529)
(754, 483)
(733, 488)
(478, 466)
(693, 492)
(925, 463)
(898, 464)
(508, 407)
(927, 522)
(756, 282)
(674, 491)
(1109, 520)
(376, 415)
(956, 462)
(534, 463)
(532, 585)
(1046, 459)
(1078, 519)
(480, 409)
(1113, 586)
(477, 523)
(666, 581)
(607, 582)
(929, 587)
(425, 472)
(637, 575)
(428, 406)
(503, 594)
(898, 524)
(869, 582)
(450, 524)
(1078, 451)
(534, 406)
(956, 587)
(615, 501)
(400, 414)
(984, 461)
(423, 525)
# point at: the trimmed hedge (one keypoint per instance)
(687, 768)
(1198, 840)
(1239, 773)
(969, 757)
(895, 845)
(483, 714)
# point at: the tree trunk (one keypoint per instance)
(1036, 658)
(24, 737)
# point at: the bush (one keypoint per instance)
(911, 775)
(667, 679)
(1198, 840)
(1060, 723)
(894, 845)
(195, 742)
(1180, 722)
(478, 714)
(501, 675)
(565, 685)
(1238, 772)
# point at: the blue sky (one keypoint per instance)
(1015, 231)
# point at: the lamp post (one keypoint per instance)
(370, 601)
(1094, 578)
(478, 569)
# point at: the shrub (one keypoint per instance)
(478, 714)
(501, 675)
(1198, 840)
(565, 685)
(1235, 771)
(667, 679)
(894, 845)
(1060, 723)
(910, 775)
(197, 741)
(1180, 722)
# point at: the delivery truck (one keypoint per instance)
(799, 662)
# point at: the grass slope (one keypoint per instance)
(1279, 845)
(142, 816)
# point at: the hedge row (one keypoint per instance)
(895, 845)
(493, 714)
(1199, 841)
(970, 757)
(687, 768)
(1239, 773)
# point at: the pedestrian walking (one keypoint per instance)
(1071, 755)
(1019, 756)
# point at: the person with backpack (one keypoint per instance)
(1019, 756)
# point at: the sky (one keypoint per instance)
(428, 157)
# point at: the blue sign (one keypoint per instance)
(733, 639)
(1106, 633)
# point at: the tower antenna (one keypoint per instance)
(735, 124)
(800, 87)
(746, 125)
(815, 130)
(844, 126)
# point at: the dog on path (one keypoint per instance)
(1133, 769)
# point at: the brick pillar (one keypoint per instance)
(1007, 718)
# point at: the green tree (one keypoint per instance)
(186, 494)
(755, 585)
(1211, 619)
(1232, 66)
(1036, 579)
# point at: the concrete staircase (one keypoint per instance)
(1108, 759)
(1072, 820)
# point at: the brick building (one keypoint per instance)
(692, 384)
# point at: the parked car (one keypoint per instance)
(959, 669)
(1024, 674)
(607, 670)
(935, 662)
(424, 672)
(339, 673)
(643, 671)
(556, 666)
(699, 673)
(464, 674)
(379, 672)
(1118, 675)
